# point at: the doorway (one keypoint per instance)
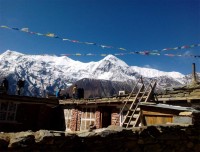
(106, 116)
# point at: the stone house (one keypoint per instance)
(20, 113)
(80, 116)
(141, 108)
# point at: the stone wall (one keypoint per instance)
(78, 121)
(73, 122)
(115, 118)
(164, 138)
(113, 138)
(180, 92)
(98, 118)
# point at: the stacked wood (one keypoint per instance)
(98, 118)
(115, 118)
(73, 124)
(180, 92)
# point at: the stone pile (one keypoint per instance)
(180, 92)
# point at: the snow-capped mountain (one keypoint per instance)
(40, 71)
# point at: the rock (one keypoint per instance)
(43, 136)
(4, 141)
(195, 93)
(166, 96)
(107, 133)
(197, 147)
(21, 139)
(190, 145)
(86, 134)
(150, 131)
(114, 127)
(180, 95)
(150, 138)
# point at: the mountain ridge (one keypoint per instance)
(40, 71)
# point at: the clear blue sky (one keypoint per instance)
(136, 25)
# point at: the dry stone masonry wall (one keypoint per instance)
(181, 92)
(113, 138)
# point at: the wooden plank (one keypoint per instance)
(179, 98)
(155, 113)
(155, 120)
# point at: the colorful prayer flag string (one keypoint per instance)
(52, 35)
(132, 53)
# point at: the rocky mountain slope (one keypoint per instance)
(40, 71)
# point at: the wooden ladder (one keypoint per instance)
(145, 94)
(126, 100)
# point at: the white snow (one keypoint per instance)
(49, 68)
(150, 73)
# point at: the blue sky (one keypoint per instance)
(136, 25)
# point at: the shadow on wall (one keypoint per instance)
(33, 117)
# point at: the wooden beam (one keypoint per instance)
(148, 113)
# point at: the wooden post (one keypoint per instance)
(194, 80)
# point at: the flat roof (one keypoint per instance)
(28, 100)
(167, 106)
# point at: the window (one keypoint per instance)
(87, 118)
(68, 116)
(8, 111)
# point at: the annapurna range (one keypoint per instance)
(105, 77)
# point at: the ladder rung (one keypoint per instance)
(144, 92)
(137, 113)
(133, 114)
(144, 97)
(136, 116)
(132, 123)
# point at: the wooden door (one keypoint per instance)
(105, 116)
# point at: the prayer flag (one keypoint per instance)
(14, 28)
(3, 26)
(50, 35)
(24, 29)
(122, 49)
